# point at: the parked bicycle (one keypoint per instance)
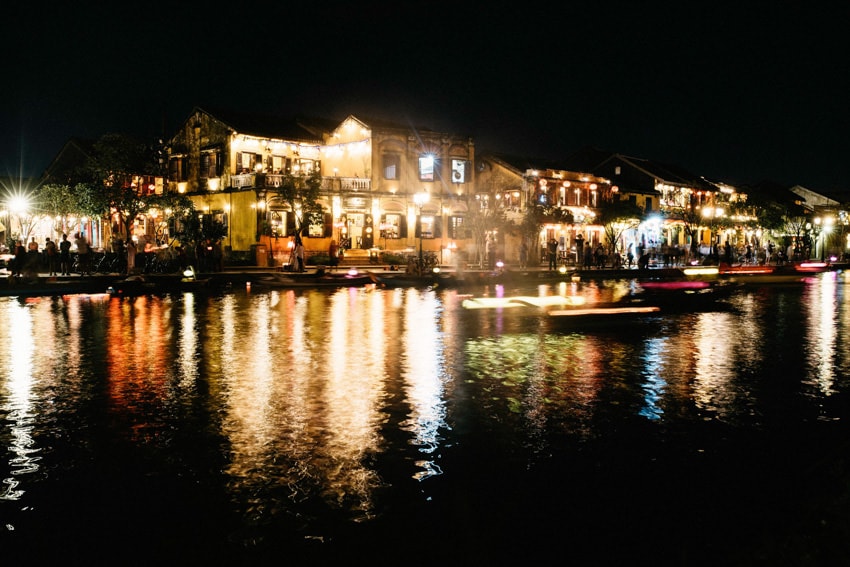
(162, 261)
(429, 262)
(94, 258)
(111, 263)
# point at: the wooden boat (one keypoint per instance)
(149, 284)
(794, 273)
(347, 279)
(403, 279)
(674, 286)
(603, 314)
(18, 287)
(683, 296)
(521, 301)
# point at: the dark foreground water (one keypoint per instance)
(393, 427)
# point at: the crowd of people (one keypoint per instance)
(75, 255)
(54, 258)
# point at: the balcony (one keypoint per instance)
(344, 184)
(329, 184)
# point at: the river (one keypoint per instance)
(365, 426)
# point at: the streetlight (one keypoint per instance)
(818, 228)
(447, 211)
(826, 230)
(822, 229)
(420, 199)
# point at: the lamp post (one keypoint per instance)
(446, 213)
(420, 199)
(818, 242)
(828, 222)
(823, 226)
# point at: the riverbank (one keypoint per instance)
(46, 285)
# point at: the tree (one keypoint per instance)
(616, 217)
(116, 162)
(796, 233)
(59, 202)
(301, 193)
(535, 216)
(195, 229)
(176, 212)
(481, 220)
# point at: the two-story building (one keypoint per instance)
(689, 206)
(384, 185)
(513, 183)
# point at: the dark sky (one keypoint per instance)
(739, 95)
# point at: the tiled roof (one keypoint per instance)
(521, 164)
(298, 127)
(635, 171)
(267, 125)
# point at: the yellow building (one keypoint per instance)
(383, 184)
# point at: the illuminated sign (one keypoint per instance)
(458, 171)
(426, 168)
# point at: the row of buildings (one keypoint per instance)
(404, 189)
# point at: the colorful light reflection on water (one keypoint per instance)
(320, 424)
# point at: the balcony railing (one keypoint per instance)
(346, 184)
(331, 184)
(243, 180)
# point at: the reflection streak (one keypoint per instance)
(19, 407)
(654, 382)
(422, 371)
(821, 333)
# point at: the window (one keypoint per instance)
(426, 168)
(277, 226)
(426, 226)
(392, 165)
(315, 225)
(209, 165)
(177, 169)
(455, 228)
(245, 162)
(458, 171)
(302, 166)
(391, 227)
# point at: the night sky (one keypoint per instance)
(737, 95)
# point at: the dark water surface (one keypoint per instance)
(393, 427)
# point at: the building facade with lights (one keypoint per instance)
(683, 211)
(512, 184)
(683, 214)
(384, 185)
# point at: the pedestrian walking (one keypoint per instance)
(20, 259)
(552, 252)
(217, 257)
(299, 253)
(65, 256)
(31, 260)
(333, 254)
(52, 255)
(200, 256)
(83, 254)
